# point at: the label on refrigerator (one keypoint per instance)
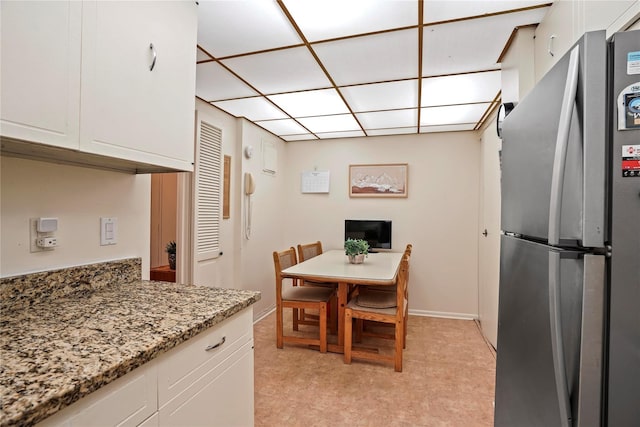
(630, 161)
(633, 63)
(629, 107)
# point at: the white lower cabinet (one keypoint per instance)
(206, 381)
(128, 401)
(209, 381)
(220, 398)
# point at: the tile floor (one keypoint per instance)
(447, 380)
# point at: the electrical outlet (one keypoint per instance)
(33, 236)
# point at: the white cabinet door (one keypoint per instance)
(128, 401)
(40, 72)
(554, 36)
(601, 15)
(130, 110)
(223, 397)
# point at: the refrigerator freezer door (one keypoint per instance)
(526, 386)
(530, 133)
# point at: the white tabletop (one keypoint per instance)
(334, 266)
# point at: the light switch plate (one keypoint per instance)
(108, 231)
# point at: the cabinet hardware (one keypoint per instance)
(155, 56)
(214, 346)
(550, 45)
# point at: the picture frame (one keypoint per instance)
(379, 180)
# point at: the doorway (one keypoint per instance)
(163, 225)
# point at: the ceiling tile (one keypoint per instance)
(326, 19)
(388, 119)
(282, 127)
(303, 137)
(471, 113)
(444, 10)
(256, 108)
(241, 26)
(392, 131)
(347, 134)
(280, 71)
(213, 82)
(340, 122)
(371, 59)
(382, 96)
(465, 46)
(460, 89)
(447, 128)
(311, 103)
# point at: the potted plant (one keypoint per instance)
(356, 250)
(171, 250)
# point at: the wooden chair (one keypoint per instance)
(305, 252)
(391, 315)
(364, 328)
(299, 297)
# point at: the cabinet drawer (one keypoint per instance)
(127, 401)
(182, 366)
(222, 397)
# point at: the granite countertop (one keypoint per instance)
(54, 352)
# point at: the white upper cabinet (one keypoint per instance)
(79, 75)
(138, 81)
(554, 36)
(567, 20)
(40, 99)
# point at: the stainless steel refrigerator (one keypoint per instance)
(568, 350)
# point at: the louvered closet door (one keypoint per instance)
(207, 205)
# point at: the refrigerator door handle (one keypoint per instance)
(557, 345)
(562, 141)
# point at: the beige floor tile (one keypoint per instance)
(447, 380)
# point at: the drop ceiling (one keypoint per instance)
(319, 69)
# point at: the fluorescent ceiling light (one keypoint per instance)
(430, 116)
(310, 103)
(254, 109)
(341, 122)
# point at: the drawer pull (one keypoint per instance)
(155, 56)
(214, 346)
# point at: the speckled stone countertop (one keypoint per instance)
(55, 351)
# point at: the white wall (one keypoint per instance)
(269, 217)
(440, 216)
(78, 197)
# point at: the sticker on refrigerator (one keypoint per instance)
(633, 63)
(629, 107)
(630, 161)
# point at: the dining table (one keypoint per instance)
(378, 269)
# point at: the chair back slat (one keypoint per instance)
(309, 250)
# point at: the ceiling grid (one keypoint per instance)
(319, 69)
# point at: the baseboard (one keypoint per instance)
(425, 313)
(264, 313)
(443, 314)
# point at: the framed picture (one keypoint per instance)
(378, 180)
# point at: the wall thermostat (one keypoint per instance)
(248, 151)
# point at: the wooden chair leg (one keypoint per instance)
(279, 321)
(348, 335)
(332, 308)
(399, 344)
(323, 328)
(404, 326)
(359, 329)
(296, 318)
